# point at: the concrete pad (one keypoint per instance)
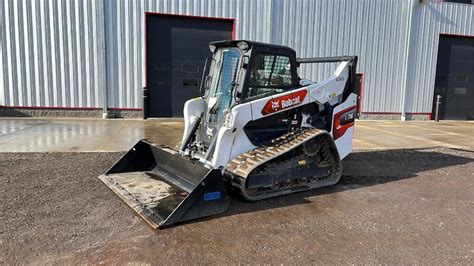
(398, 134)
(84, 135)
(92, 135)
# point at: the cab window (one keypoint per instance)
(270, 74)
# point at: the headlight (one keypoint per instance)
(229, 120)
(244, 46)
(212, 48)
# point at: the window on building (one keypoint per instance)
(271, 74)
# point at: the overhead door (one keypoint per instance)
(176, 49)
(455, 78)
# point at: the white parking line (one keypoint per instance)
(438, 143)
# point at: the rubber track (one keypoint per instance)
(243, 164)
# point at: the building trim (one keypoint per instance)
(187, 16)
(68, 108)
(394, 113)
(456, 35)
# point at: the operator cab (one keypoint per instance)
(269, 69)
(242, 71)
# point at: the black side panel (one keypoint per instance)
(263, 130)
(358, 90)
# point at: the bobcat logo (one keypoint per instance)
(275, 105)
(210, 132)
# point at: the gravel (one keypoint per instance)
(395, 206)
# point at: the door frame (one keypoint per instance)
(148, 14)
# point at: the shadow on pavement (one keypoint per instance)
(11, 112)
(363, 169)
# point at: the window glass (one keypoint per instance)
(189, 68)
(224, 70)
(270, 74)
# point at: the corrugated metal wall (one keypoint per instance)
(62, 53)
(125, 36)
(376, 31)
(429, 22)
(51, 53)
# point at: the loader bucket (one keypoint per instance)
(164, 187)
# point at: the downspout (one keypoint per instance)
(406, 79)
(104, 75)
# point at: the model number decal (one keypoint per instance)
(283, 102)
(212, 196)
(347, 117)
(343, 120)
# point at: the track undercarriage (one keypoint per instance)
(301, 160)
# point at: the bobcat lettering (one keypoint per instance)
(283, 102)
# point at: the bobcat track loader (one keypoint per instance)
(258, 129)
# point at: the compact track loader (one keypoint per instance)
(258, 129)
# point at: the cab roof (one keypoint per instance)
(260, 45)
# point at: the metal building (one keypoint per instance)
(93, 57)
